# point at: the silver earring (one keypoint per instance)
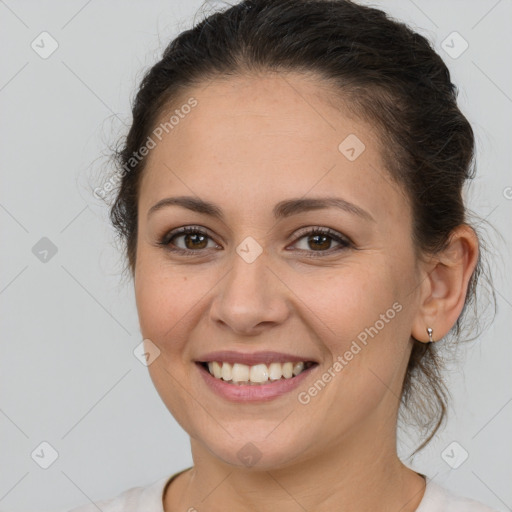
(429, 332)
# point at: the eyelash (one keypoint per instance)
(165, 241)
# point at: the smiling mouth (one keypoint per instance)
(242, 374)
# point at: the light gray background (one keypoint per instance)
(69, 326)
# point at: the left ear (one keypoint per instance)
(443, 291)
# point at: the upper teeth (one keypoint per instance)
(258, 373)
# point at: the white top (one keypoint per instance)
(150, 499)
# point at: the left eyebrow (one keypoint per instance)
(294, 206)
(281, 210)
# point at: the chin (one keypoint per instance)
(255, 449)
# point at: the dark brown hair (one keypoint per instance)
(380, 70)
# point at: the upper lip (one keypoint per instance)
(251, 359)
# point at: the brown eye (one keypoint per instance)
(320, 240)
(193, 240)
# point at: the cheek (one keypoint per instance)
(163, 298)
(346, 301)
(362, 325)
(153, 303)
(163, 303)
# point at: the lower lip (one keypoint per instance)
(252, 393)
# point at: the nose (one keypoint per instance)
(250, 298)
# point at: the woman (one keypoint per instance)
(290, 199)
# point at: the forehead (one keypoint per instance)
(254, 138)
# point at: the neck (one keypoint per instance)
(348, 476)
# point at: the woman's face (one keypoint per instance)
(259, 281)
